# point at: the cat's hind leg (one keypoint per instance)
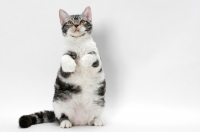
(64, 121)
(65, 124)
(97, 122)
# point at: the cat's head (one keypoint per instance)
(76, 25)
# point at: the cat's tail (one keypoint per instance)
(36, 118)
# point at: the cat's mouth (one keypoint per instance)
(77, 36)
(76, 30)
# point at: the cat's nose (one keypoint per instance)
(76, 26)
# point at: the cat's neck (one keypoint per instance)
(78, 40)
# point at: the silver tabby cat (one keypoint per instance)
(80, 83)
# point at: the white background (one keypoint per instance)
(150, 53)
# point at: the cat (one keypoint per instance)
(80, 84)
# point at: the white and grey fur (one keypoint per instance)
(80, 83)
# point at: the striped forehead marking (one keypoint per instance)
(75, 19)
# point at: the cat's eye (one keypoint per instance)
(69, 22)
(82, 22)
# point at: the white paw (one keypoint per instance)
(98, 122)
(87, 60)
(68, 64)
(65, 124)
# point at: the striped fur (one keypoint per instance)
(36, 118)
(80, 84)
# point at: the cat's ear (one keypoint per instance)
(63, 15)
(88, 13)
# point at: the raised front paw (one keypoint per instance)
(68, 64)
(65, 124)
(87, 60)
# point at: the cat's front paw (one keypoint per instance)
(97, 122)
(68, 64)
(65, 124)
(87, 60)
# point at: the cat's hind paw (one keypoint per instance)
(98, 122)
(65, 124)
